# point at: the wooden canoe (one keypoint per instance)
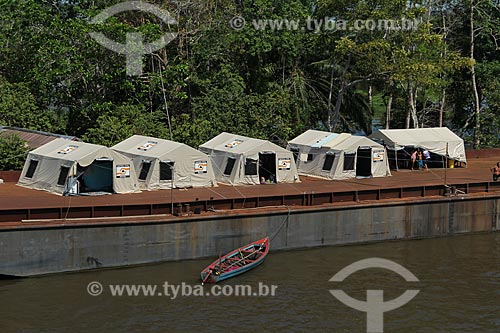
(236, 262)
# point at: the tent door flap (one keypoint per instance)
(267, 167)
(364, 162)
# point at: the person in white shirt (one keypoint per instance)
(427, 157)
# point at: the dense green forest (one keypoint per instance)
(262, 81)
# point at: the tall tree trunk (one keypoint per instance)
(388, 111)
(442, 103)
(338, 105)
(477, 106)
(340, 95)
(408, 107)
(370, 96)
(408, 118)
(412, 106)
(330, 96)
(388, 105)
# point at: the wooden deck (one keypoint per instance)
(17, 203)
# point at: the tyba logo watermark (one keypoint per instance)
(134, 49)
(375, 307)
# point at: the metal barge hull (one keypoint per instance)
(42, 234)
(62, 247)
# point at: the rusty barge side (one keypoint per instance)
(61, 246)
(41, 233)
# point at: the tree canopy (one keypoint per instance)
(296, 64)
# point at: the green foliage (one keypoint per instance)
(18, 108)
(230, 108)
(13, 152)
(489, 74)
(266, 83)
(117, 123)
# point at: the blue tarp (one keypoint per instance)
(325, 140)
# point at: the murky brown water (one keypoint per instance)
(459, 292)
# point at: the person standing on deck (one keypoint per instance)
(427, 157)
(413, 159)
(420, 159)
(496, 172)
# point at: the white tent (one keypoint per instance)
(97, 168)
(241, 160)
(338, 156)
(434, 139)
(162, 163)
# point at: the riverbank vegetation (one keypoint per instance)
(261, 81)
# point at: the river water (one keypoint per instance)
(459, 283)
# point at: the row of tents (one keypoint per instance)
(139, 163)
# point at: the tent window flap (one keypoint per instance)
(251, 167)
(229, 166)
(349, 161)
(166, 170)
(146, 166)
(31, 169)
(329, 159)
(63, 175)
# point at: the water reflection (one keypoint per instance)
(459, 283)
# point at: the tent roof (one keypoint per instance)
(312, 137)
(438, 140)
(238, 144)
(353, 142)
(150, 147)
(416, 136)
(342, 141)
(64, 149)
